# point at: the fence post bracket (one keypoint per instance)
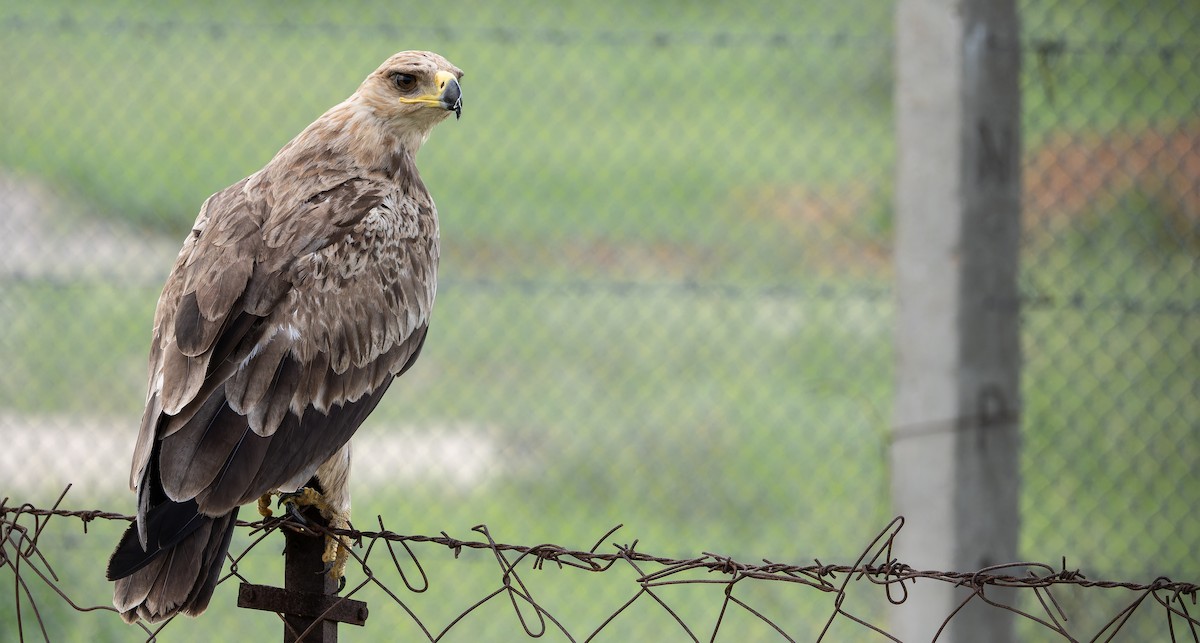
(303, 604)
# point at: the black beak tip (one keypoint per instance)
(452, 98)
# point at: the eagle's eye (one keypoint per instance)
(404, 82)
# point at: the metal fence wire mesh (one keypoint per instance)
(666, 284)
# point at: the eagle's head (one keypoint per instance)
(413, 91)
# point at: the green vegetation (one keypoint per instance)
(666, 288)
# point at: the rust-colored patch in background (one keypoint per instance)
(844, 228)
(844, 225)
(1074, 174)
(1070, 176)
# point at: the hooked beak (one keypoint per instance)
(451, 97)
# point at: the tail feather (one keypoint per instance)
(179, 568)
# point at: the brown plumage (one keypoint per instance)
(299, 295)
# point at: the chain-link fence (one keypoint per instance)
(665, 295)
(1112, 321)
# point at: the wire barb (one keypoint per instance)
(23, 528)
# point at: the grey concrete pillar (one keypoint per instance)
(955, 448)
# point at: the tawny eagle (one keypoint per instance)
(301, 292)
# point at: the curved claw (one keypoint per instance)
(337, 548)
(328, 568)
(296, 513)
(294, 500)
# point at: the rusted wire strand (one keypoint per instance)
(23, 525)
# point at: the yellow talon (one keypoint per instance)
(337, 548)
(264, 506)
(337, 553)
(305, 497)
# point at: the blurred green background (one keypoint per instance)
(665, 292)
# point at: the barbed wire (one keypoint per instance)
(867, 292)
(1042, 46)
(21, 554)
(552, 36)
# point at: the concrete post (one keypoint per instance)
(955, 447)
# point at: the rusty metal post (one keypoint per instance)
(308, 593)
(303, 572)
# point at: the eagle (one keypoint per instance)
(300, 294)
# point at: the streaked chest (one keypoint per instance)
(381, 247)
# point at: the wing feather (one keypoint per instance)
(190, 458)
(234, 346)
(219, 267)
(302, 443)
(271, 411)
(279, 330)
(234, 480)
(251, 382)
